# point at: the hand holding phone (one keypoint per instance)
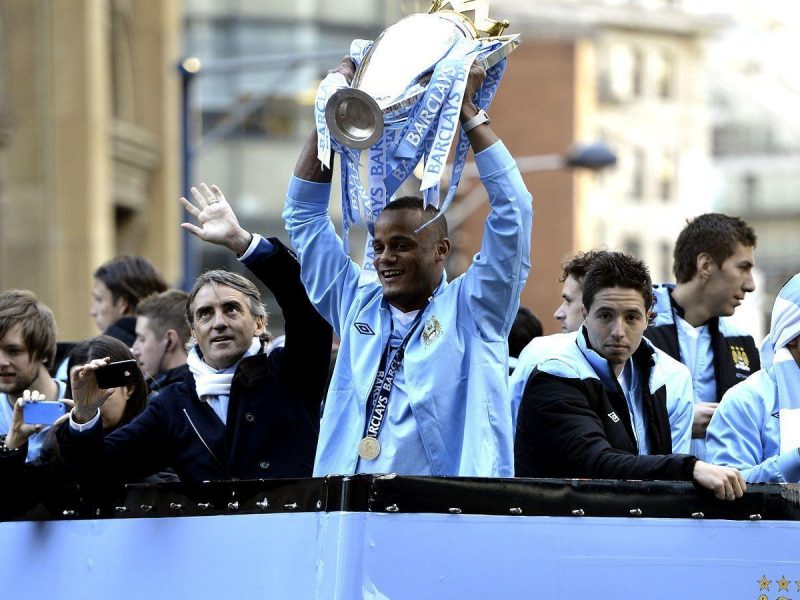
(42, 412)
(92, 384)
(117, 374)
(31, 413)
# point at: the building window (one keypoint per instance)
(632, 246)
(666, 177)
(123, 87)
(620, 67)
(637, 73)
(664, 74)
(750, 190)
(637, 174)
(665, 258)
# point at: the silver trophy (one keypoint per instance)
(396, 70)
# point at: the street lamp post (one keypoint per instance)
(594, 156)
(188, 69)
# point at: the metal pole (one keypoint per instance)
(191, 68)
(189, 259)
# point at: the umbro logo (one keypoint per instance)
(363, 329)
(613, 416)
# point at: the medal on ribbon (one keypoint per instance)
(369, 448)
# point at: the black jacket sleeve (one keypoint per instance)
(130, 453)
(32, 485)
(308, 336)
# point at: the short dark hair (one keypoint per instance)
(36, 321)
(713, 233)
(165, 311)
(438, 222)
(577, 266)
(231, 280)
(99, 347)
(526, 327)
(615, 269)
(130, 278)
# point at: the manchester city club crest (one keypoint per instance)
(740, 358)
(431, 331)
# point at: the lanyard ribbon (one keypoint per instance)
(384, 380)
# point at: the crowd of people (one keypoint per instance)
(644, 382)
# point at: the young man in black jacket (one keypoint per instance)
(609, 405)
(713, 265)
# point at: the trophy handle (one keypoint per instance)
(491, 58)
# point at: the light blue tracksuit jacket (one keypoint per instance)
(745, 432)
(458, 369)
(537, 350)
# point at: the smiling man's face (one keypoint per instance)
(18, 369)
(409, 263)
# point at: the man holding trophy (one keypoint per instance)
(419, 386)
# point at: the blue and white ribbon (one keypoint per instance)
(329, 86)
(423, 131)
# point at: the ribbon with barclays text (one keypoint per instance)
(421, 131)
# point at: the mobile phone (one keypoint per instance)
(117, 374)
(42, 412)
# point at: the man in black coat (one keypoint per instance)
(241, 412)
(606, 404)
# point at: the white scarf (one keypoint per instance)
(209, 381)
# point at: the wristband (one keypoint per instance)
(5, 450)
(478, 119)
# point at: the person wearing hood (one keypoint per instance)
(756, 428)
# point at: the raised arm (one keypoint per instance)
(307, 350)
(481, 136)
(308, 336)
(121, 456)
(87, 396)
(217, 223)
(495, 279)
(329, 276)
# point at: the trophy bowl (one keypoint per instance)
(393, 75)
(354, 118)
